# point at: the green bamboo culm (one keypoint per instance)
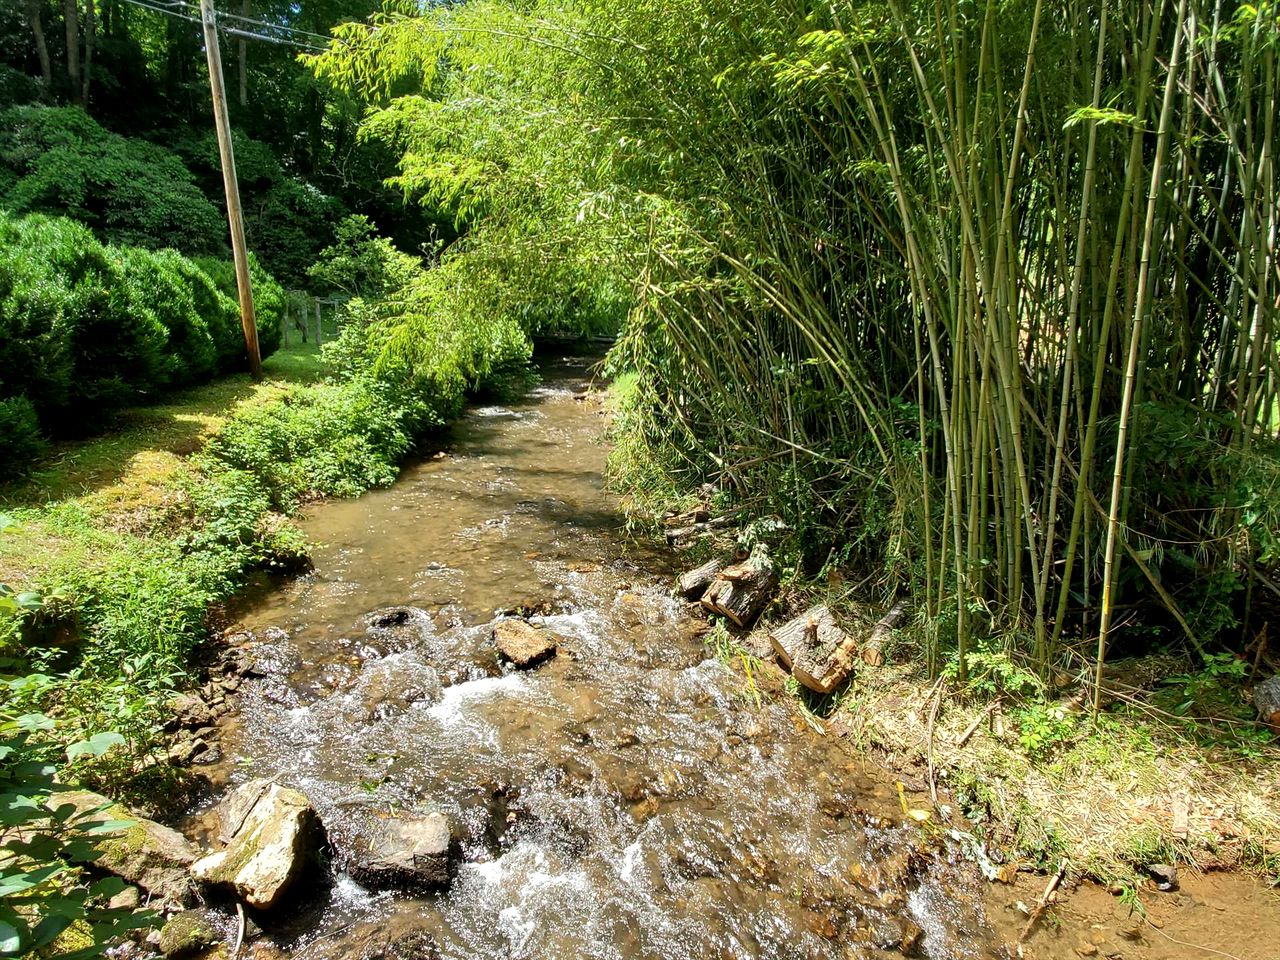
(980, 297)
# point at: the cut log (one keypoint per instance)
(741, 591)
(873, 649)
(694, 583)
(1266, 700)
(826, 667)
(683, 536)
(795, 638)
(699, 514)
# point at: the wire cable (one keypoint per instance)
(273, 26)
(174, 8)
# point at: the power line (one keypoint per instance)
(235, 32)
(272, 26)
(173, 8)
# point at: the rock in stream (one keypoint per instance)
(272, 833)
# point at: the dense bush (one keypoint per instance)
(268, 302)
(286, 219)
(60, 161)
(16, 87)
(71, 341)
(20, 440)
(86, 328)
(330, 438)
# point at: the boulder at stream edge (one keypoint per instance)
(272, 833)
(188, 932)
(148, 854)
(409, 851)
(521, 644)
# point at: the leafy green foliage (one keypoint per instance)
(20, 440)
(45, 889)
(360, 263)
(268, 305)
(86, 329)
(127, 191)
(817, 263)
(287, 220)
(1045, 727)
(337, 439)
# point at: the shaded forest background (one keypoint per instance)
(142, 166)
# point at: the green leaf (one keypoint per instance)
(10, 938)
(108, 887)
(95, 746)
(49, 929)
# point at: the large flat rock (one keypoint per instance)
(149, 855)
(408, 851)
(521, 644)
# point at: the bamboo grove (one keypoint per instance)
(980, 297)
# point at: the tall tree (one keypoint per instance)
(71, 19)
(33, 12)
(90, 35)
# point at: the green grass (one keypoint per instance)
(130, 537)
(143, 445)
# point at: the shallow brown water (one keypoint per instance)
(630, 799)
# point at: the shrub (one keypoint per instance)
(220, 312)
(127, 190)
(327, 439)
(268, 303)
(286, 220)
(68, 339)
(20, 441)
(86, 328)
(16, 87)
(153, 286)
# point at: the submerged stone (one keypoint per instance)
(521, 644)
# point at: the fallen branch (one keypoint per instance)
(972, 728)
(680, 534)
(872, 650)
(235, 953)
(1045, 899)
(740, 592)
(936, 698)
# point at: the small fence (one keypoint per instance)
(309, 319)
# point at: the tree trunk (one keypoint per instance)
(71, 18)
(743, 590)
(90, 31)
(33, 10)
(242, 53)
(694, 583)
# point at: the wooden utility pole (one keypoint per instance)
(234, 216)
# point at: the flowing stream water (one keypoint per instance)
(630, 798)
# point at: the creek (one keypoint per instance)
(633, 797)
